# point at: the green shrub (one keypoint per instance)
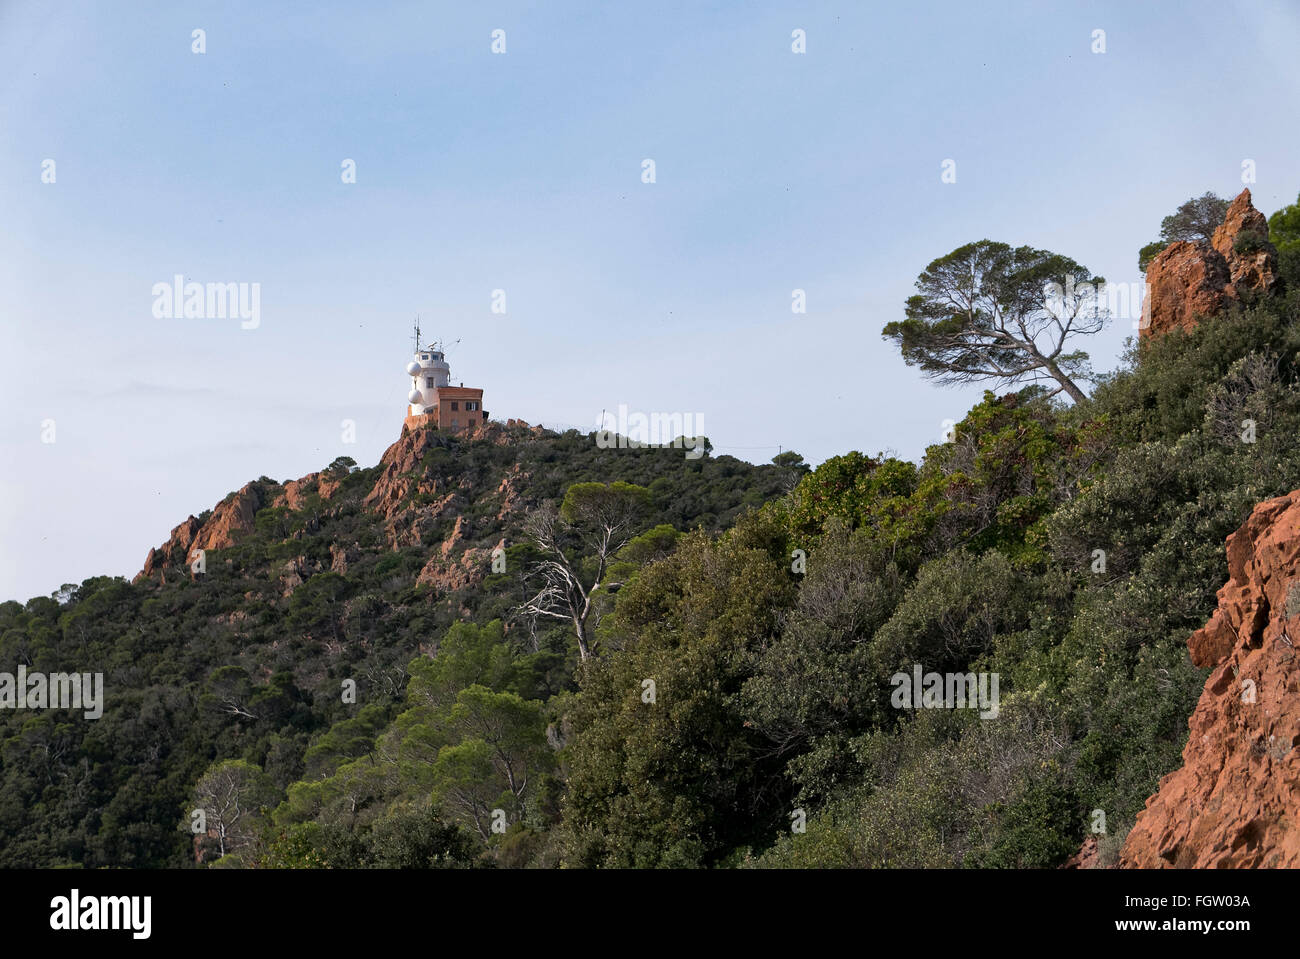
(1249, 241)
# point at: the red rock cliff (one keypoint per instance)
(1235, 801)
(1187, 280)
(233, 515)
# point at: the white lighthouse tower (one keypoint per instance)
(428, 370)
(433, 401)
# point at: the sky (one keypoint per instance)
(127, 158)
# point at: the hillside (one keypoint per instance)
(518, 649)
(343, 574)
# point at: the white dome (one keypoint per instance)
(415, 396)
(412, 368)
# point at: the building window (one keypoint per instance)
(424, 356)
(455, 423)
(469, 405)
(455, 405)
(428, 381)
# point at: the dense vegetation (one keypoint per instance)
(241, 666)
(773, 692)
(736, 707)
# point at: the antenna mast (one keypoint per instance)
(417, 332)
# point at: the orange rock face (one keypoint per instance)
(402, 467)
(295, 491)
(413, 497)
(174, 551)
(231, 517)
(1241, 217)
(1188, 280)
(1086, 858)
(1236, 800)
(446, 574)
(1185, 281)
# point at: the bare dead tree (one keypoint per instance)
(594, 522)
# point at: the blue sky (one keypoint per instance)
(522, 172)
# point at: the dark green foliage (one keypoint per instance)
(1248, 242)
(248, 661)
(406, 839)
(662, 769)
(951, 615)
(1149, 253)
(1195, 219)
(1071, 551)
(1284, 233)
(815, 677)
(1028, 831)
(742, 675)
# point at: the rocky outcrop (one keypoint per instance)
(1088, 856)
(509, 491)
(415, 500)
(341, 557)
(1184, 282)
(294, 573)
(1234, 803)
(172, 553)
(1242, 240)
(329, 484)
(1190, 280)
(403, 472)
(295, 492)
(232, 516)
(414, 497)
(446, 574)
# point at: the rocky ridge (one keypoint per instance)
(1233, 803)
(1187, 280)
(413, 501)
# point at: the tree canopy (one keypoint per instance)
(988, 311)
(578, 540)
(1194, 221)
(1284, 232)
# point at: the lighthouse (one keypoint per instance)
(433, 400)
(428, 371)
